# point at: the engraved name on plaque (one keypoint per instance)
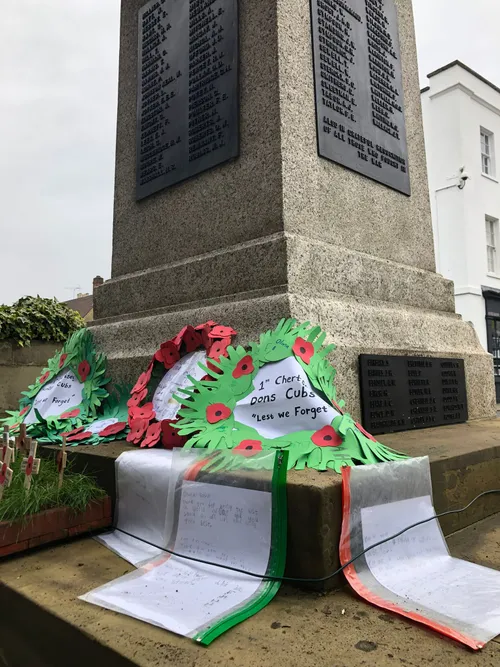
(401, 393)
(187, 97)
(359, 89)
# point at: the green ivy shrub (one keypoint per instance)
(35, 318)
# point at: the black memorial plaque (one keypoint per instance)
(402, 393)
(359, 88)
(187, 97)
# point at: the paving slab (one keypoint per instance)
(45, 625)
(465, 460)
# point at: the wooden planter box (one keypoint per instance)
(52, 525)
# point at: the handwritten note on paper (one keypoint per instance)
(59, 395)
(417, 566)
(163, 403)
(218, 523)
(142, 518)
(283, 402)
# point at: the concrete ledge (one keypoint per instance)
(465, 460)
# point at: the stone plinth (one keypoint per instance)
(280, 231)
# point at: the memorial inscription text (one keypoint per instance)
(187, 102)
(359, 93)
(401, 393)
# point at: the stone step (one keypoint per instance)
(465, 460)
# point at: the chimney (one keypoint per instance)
(98, 280)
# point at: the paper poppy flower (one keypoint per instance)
(29, 466)
(152, 435)
(218, 349)
(249, 447)
(112, 429)
(3, 474)
(59, 460)
(170, 437)
(327, 437)
(142, 382)
(70, 413)
(243, 367)
(368, 435)
(62, 359)
(217, 412)
(303, 349)
(142, 412)
(222, 332)
(80, 436)
(137, 429)
(135, 399)
(83, 370)
(43, 378)
(191, 339)
(168, 354)
(73, 432)
(24, 410)
(204, 330)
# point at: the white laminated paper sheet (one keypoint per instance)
(165, 406)
(141, 518)
(413, 574)
(283, 402)
(217, 523)
(61, 394)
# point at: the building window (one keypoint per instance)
(487, 153)
(491, 243)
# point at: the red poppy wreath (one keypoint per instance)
(151, 409)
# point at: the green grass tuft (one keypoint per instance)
(76, 492)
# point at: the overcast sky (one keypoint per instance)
(58, 83)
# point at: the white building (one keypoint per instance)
(461, 112)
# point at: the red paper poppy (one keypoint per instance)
(135, 399)
(168, 354)
(142, 382)
(24, 411)
(137, 429)
(43, 378)
(73, 432)
(204, 330)
(368, 435)
(244, 367)
(112, 429)
(29, 466)
(142, 412)
(170, 437)
(217, 412)
(192, 339)
(80, 436)
(152, 435)
(3, 474)
(327, 437)
(303, 349)
(218, 348)
(209, 324)
(83, 370)
(249, 447)
(62, 359)
(222, 332)
(70, 414)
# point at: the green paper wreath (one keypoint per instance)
(79, 357)
(207, 416)
(110, 423)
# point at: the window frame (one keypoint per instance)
(491, 229)
(487, 146)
